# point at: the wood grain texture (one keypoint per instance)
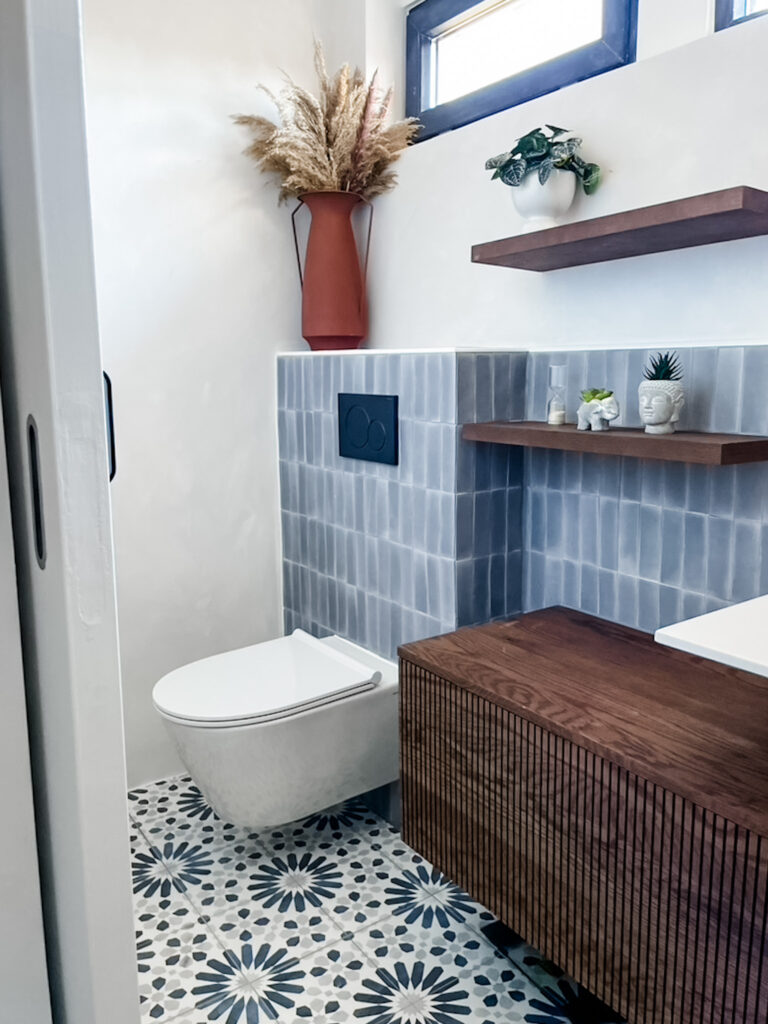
(653, 900)
(731, 213)
(685, 446)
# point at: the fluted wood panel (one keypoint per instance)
(653, 903)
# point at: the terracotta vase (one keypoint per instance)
(334, 309)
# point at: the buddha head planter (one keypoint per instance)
(661, 395)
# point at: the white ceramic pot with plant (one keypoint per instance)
(661, 395)
(543, 171)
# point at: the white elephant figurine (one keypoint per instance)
(598, 407)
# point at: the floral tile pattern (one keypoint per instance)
(332, 919)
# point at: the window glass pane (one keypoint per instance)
(507, 38)
(756, 6)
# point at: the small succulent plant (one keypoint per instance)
(590, 394)
(664, 366)
(542, 153)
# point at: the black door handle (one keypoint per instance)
(36, 491)
(110, 426)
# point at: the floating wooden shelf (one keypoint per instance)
(706, 449)
(739, 212)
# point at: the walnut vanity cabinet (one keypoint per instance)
(607, 798)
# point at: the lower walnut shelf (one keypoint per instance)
(683, 446)
(606, 798)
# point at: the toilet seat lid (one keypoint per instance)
(261, 683)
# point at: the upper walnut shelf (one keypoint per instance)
(740, 212)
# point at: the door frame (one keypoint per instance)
(50, 370)
(23, 971)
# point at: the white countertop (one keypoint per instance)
(737, 635)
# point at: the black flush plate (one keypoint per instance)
(368, 427)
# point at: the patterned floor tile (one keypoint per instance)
(341, 830)
(168, 960)
(445, 974)
(247, 983)
(330, 919)
(279, 904)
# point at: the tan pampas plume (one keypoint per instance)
(337, 142)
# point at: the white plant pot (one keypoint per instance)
(542, 205)
(660, 402)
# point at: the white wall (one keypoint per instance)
(682, 122)
(198, 290)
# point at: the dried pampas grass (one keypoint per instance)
(337, 143)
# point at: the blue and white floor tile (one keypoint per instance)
(329, 920)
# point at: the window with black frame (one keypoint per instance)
(466, 60)
(733, 12)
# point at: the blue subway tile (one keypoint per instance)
(606, 601)
(588, 528)
(754, 407)
(697, 496)
(626, 610)
(675, 484)
(695, 551)
(746, 561)
(465, 520)
(514, 513)
(647, 606)
(650, 543)
(497, 586)
(554, 522)
(670, 606)
(483, 456)
(693, 605)
(571, 584)
(724, 411)
(555, 470)
(481, 589)
(719, 563)
(631, 479)
(572, 471)
(483, 387)
(751, 491)
(609, 533)
(482, 523)
(538, 521)
(466, 388)
(722, 481)
(513, 583)
(498, 521)
(571, 525)
(590, 474)
(653, 481)
(553, 582)
(671, 546)
(499, 466)
(589, 589)
(535, 581)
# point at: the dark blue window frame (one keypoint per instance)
(616, 48)
(733, 12)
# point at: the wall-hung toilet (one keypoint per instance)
(273, 732)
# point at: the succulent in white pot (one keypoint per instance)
(661, 394)
(543, 171)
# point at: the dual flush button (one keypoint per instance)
(368, 427)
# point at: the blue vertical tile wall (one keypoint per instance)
(380, 554)
(461, 533)
(489, 490)
(649, 542)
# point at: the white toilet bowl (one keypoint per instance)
(273, 732)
